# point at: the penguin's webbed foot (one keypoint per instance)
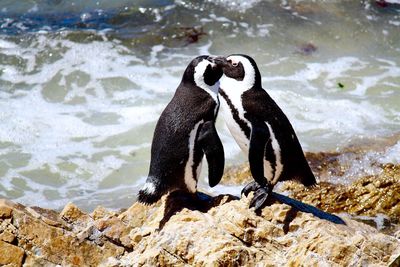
(250, 187)
(260, 198)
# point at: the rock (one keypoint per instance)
(101, 212)
(53, 244)
(395, 262)
(10, 254)
(7, 231)
(237, 175)
(138, 214)
(397, 234)
(114, 229)
(5, 209)
(306, 49)
(370, 195)
(219, 231)
(50, 217)
(230, 234)
(361, 193)
(37, 261)
(72, 214)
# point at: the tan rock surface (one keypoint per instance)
(221, 232)
(369, 195)
(36, 239)
(231, 234)
(10, 255)
(366, 195)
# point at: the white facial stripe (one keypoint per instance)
(199, 79)
(190, 181)
(277, 152)
(249, 72)
(234, 88)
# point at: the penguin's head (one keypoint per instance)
(240, 68)
(204, 72)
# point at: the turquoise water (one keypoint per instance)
(82, 84)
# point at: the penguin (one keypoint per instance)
(260, 128)
(185, 132)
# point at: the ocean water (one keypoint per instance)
(82, 84)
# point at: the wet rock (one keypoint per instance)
(306, 49)
(387, 3)
(190, 34)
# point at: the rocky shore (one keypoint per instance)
(224, 232)
(370, 195)
(335, 228)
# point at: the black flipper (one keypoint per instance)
(258, 141)
(214, 151)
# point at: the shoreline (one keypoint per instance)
(223, 232)
(331, 223)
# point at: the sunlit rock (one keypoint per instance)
(175, 231)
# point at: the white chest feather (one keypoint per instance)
(190, 175)
(234, 90)
(237, 133)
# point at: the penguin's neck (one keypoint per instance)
(212, 90)
(234, 90)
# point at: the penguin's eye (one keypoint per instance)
(232, 63)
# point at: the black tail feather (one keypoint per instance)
(308, 178)
(302, 175)
(151, 193)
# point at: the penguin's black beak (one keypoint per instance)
(221, 61)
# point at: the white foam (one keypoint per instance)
(329, 121)
(237, 4)
(54, 131)
(391, 155)
(104, 130)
